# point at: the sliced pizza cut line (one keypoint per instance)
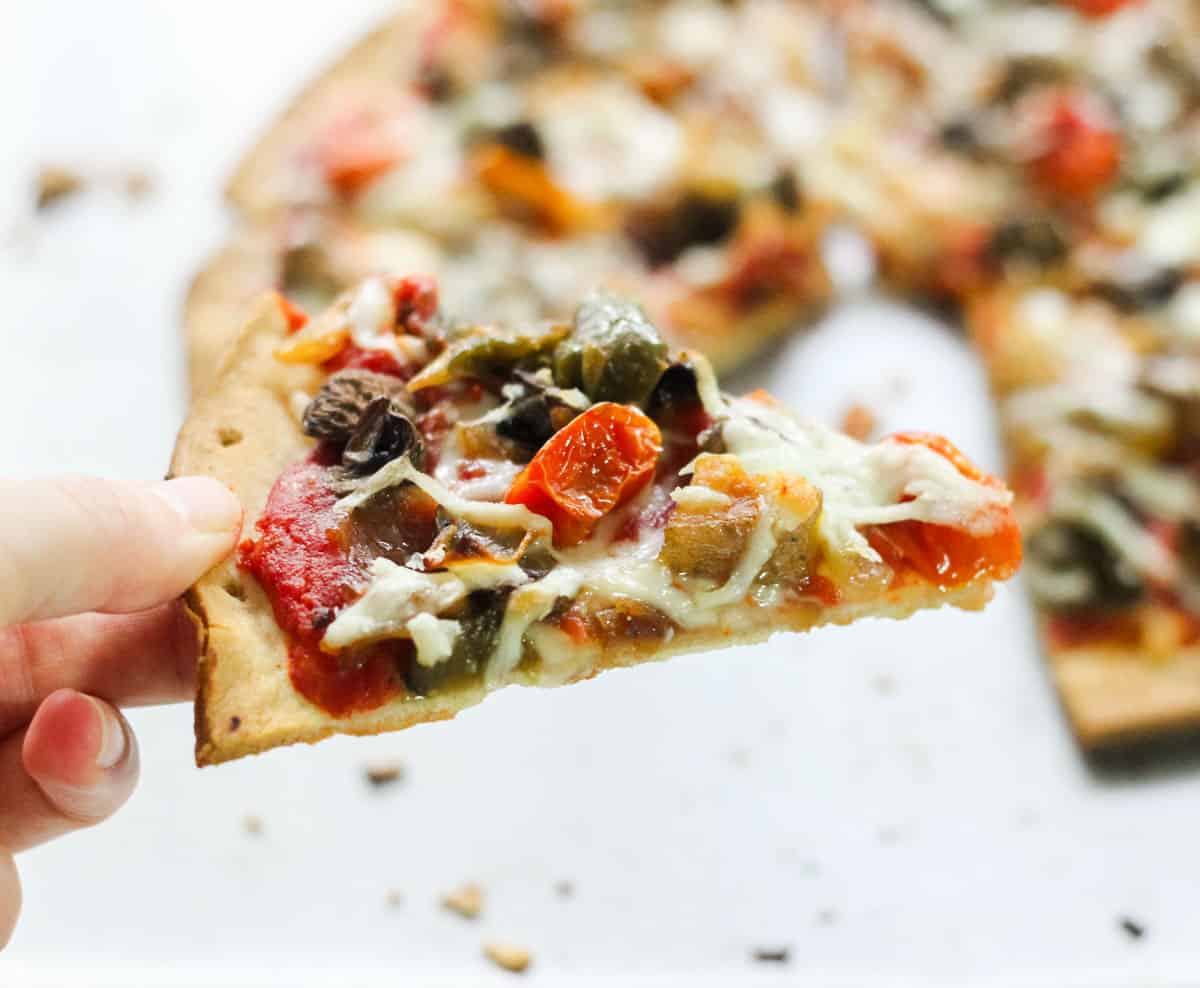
(437, 511)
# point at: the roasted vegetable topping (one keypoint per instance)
(590, 467)
(1077, 154)
(383, 434)
(536, 411)
(613, 354)
(1034, 241)
(662, 233)
(706, 536)
(339, 406)
(395, 523)
(1073, 567)
(1135, 291)
(489, 352)
(521, 137)
(479, 623)
(785, 190)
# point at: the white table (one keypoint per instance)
(892, 801)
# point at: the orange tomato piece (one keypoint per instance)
(296, 317)
(1078, 157)
(355, 151)
(1099, 8)
(524, 186)
(588, 468)
(943, 555)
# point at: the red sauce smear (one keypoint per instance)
(304, 568)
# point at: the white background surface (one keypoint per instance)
(891, 801)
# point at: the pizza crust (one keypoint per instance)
(1114, 695)
(221, 299)
(245, 433)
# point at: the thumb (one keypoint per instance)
(73, 544)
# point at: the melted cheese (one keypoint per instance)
(526, 605)
(860, 484)
(478, 512)
(370, 315)
(433, 637)
(393, 598)
(606, 141)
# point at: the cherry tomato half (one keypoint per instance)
(591, 466)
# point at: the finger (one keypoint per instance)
(72, 767)
(75, 544)
(128, 659)
(10, 897)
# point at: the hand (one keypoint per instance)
(90, 575)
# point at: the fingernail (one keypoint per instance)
(114, 743)
(205, 504)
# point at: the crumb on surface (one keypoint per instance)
(859, 422)
(394, 898)
(1133, 929)
(467, 900)
(384, 774)
(564, 888)
(771, 955)
(507, 955)
(252, 824)
(826, 917)
(137, 183)
(55, 183)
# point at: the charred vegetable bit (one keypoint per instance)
(339, 406)
(613, 354)
(1072, 567)
(522, 137)
(396, 523)
(490, 353)
(785, 190)
(479, 623)
(1034, 241)
(536, 411)
(383, 434)
(1141, 290)
(662, 233)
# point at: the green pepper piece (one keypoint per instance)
(613, 353)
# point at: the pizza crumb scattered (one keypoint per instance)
(467, 901)
(55, 183)
(884, 684)
(859, 422)
(507, 956)
(137, 184)
(771, 955)
(384, 774)
(1133, 929)
(253, 825)
(826, 917)
(394, 898)
(739, 757)
(564, 888)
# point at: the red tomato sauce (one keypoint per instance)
(301, 562)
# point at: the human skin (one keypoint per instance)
(90, 621)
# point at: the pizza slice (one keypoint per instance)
(437, 511)
(1099, 392)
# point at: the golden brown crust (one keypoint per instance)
(1113, 694)
(221, 298)
(245, 433)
